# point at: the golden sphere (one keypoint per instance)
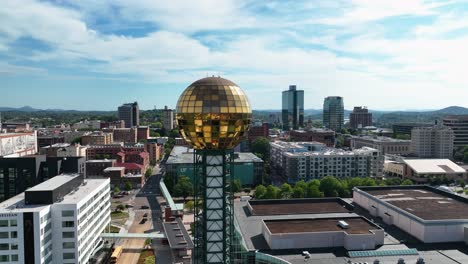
(213, 113)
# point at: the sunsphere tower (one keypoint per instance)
(213, 116)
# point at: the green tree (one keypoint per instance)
(76, 140)
(261, 145)
(271, 192)
(260, 191)
(461, 183)
(128, 186)
(236, 186)
(302, 184)
(190, 205)
(465, 157)
(106, 156)
(286, 191)
(149, 172)
(330, 186)
(368, 182)
(150, 260)
(183, 188)
(154, 134)
(313, 191)
(119, 208)
(116, 190)
(407, 182)
(298, 192)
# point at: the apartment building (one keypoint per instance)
(57, 221)
(433, 142)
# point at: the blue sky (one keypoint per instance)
(95, 55)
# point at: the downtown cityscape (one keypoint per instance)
(280, 132)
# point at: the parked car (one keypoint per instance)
(128, 206)
(144, 207)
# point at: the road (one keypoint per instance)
(145, 202)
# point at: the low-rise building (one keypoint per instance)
(326, 136)
(420, 170)
(428, 214)
(88, 124)
(97, 167)
(18, 144)
(143, 133)
(97, 138)
(248, 168)
(126, 135)
(155, 152)
(47, 140)
(118, 178)
(385, 145)
(15, 127)
(64, 150)
(363, 162)
(56, 221)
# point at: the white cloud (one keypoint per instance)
(412, 67)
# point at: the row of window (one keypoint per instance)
(6, 223)
(12, 234)
(8, 258)
(7, 246)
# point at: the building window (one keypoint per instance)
(14, 246)
(3, 234)
(68, 255)
(13, 222)
(4, 258)
(68, 213)
(14, 258)
(68, 234)
(4, 246)
(3, 223)
(14, 234)
(68, 224)
(68, 244)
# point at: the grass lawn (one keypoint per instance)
(114, 229)
(147, 257)
(117, 215)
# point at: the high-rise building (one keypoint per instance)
(333, 113)
(168, 118)
(459, 125)
(360, 118)
(293, 108)
(130, 113)
(57, 221)
(432, 142)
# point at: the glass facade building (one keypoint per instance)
(293, 108)
(333, 113)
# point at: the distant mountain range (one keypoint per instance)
(451, 110)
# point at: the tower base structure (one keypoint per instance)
(214, 207)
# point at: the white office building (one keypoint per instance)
(57, 221)
(433, 142)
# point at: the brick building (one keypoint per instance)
(126, 135)
(97, 138)
(325, 136)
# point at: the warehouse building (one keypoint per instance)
(428, 214)
(295, 224)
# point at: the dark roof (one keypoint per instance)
(177, 235)
(424, 202)
(357, 225)
(213, 81)
(299, 206)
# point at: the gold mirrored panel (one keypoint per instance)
(213, 113)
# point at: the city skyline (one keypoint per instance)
(382, 54)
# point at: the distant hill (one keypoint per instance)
(453, 110)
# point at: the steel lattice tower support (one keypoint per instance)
(214, 207)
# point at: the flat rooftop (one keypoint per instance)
(184, 155)
(381, 139)
(53, 183)
(434, 166)
(17, 204)
(357, 225)
(422, 201)
(297, 206)
(250, 225)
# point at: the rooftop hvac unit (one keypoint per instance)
(343, 224)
